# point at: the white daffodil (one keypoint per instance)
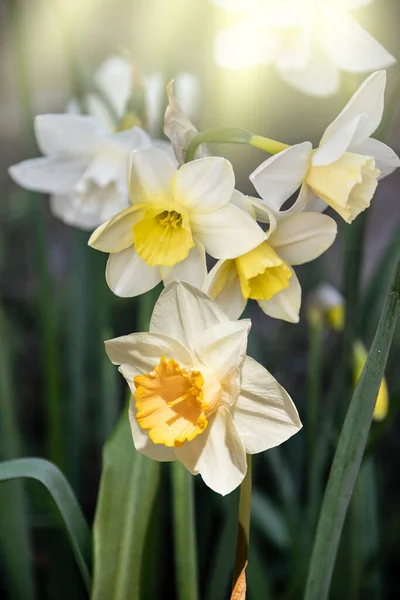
(265, 273)
(196, 396)
(86, 157)
(84, 167)
(308, 41)
(344, 170)
(124, 96)
(176, 216)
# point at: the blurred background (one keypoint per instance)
(59, 397)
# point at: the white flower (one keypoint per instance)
(176, 215)
(308, 41)
(344, 170)
(264, 274)
(85, 162)
(84, 167)
(196, 396)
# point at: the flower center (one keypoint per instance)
(170, 403)
(262, 273)
(163, 238)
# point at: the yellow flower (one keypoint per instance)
(176, 216)
(196, 396)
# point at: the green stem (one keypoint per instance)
(242, 543)
(350, 450)
(46, 308)
(184, 532)
(233, 135)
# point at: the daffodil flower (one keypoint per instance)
(343, 171)
(196, 396)
(265, 273)
(83, 168)
(176, 216)
(86, 157)
(308, 41)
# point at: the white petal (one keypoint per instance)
(311, 201)
(223, 276)
(334, 147)
(386, 160)
(128, 275)
(184, 312)
(140, 353)
(227, 232)
(50, 175)
(218, 454)
(355, 50)
(132, 139)
(117, 233)
(285, 304)
(65, 209)
(114, 78)
(301, 238)
(150, 174)
(205, 184)
(264, 415)
(280, 176)
(223, 346)
(109, 165)
(96, 107)
(253, 206)
(192, 270)
(320, 77)
(79, 134)
(367, 102)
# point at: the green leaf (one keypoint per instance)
(14, 527)
(349, 452)
(268, 519)
(128, 487)
(62, 494)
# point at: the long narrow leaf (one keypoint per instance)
(349, 452)
(63, 496)
(128, 486)
(14, 528)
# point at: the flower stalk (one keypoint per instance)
(242, 544)
(233, 135)
(184, 532)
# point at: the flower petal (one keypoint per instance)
(150, 174)
(204, 185)
(50, 175)
(74, 213)
(334, 147)
(114, 78)
(320, 77)
(193, 269)
(386, 160)
(128, 275)
(223, 346)
(356, 51)
(143, 443)
(79, 134)
(117, 233)
(264, 415)
(140, 353)
(367, 103)
(227, 232)
(301, 238)
(285, 304)
(280, 176)
(184, 312)
(223, 285)
(218, 454)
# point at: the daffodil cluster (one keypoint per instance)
(196, 397)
